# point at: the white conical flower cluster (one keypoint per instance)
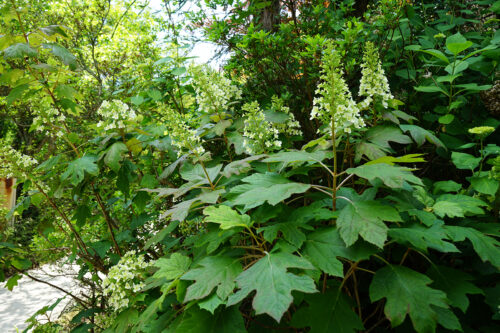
(49, 120)
(373, 85)
(183, 137)
(14, 164)
(259, 135)
(334, 101)
(125, 279)
(115, 114)
(214, 92)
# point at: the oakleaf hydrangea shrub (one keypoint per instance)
(287, 190)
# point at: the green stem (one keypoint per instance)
(482, 156)
(334, 185)
(206, 175)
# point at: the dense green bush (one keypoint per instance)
(341, 174)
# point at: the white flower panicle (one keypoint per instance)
(115, 114)
(49, 120)
(14, 164)
(214, 92)
(125, 279)
(334, 101)
(290, 126)
(373, 85)
(259, 134)
(183, 137)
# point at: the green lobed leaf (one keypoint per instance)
(390, 175)
(458, 205)
(172, 268)
(211, 303)
(269, 187)
(431, 89)
(226, 217)
(212, 272)
(485, 185)
(391, 160)
(420, 134)
(16, 93)
(19, 50)
(465, 161)
(12, 281)
(323, 246)
(180, 211)
(407, 293)
(366, 219)
(76, 169)
(240, 166)
(54, 29)
(63, 54)
(488, 248)
(436, 53)
(273, 283)
(455, 284)
(422, 237)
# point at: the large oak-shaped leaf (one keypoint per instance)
(488, 248)
(391, 175)
(226, 217)
(456, 284)
(173, 267)
(366, 219)
(212, 272)
(269, 187)
(273, 284)
(325, 245)
(76, 169)
(407, 292)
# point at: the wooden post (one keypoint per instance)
(7, 193)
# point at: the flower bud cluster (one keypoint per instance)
(290, 126)
(374, 85)
(125, 279)
(14, 164)
(183, 137)
(482, 131)
(334, 102)
(259, 134)
(115, 114)
(214, 92)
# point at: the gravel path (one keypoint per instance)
(29, 296)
